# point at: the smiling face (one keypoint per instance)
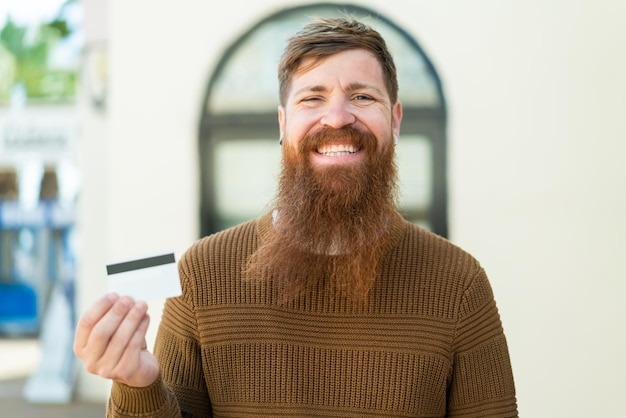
(346, 89)
(337, 192)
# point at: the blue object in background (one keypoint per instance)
(18, 309)
(34, 257)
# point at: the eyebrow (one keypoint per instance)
(351, 87)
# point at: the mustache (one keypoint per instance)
(346, 134)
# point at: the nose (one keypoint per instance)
(337, 115)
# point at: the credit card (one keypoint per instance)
(148, 278)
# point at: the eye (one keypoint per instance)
(363, 98)
(310, 101)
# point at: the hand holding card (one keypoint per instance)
(149, 278)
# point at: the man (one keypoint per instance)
(329, 305)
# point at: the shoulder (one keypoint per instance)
(236, 238)
(213, 261)
(430, 249)
(430, 273)
(221, 249)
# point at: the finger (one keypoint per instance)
(130, 365)
(139, 368)
(128, 331)
(90, 318)
(105, 328)
(138, 342)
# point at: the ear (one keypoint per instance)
(396, 118)
(281, 120)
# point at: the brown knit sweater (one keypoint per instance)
(428, 342)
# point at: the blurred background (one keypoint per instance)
(128, 128)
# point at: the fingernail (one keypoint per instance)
(126, 301)
(111, 297)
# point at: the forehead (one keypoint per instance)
(355, 65)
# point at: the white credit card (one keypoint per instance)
(147, 278)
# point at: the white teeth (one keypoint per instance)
(337, 150)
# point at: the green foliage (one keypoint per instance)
(12, 37)
(60, 26)
(29, 50)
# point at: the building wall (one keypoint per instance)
(536, 98)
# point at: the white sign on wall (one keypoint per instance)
(46, 133)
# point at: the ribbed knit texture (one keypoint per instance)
(427, 343)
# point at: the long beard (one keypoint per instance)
(331, 223)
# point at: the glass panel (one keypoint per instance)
(246, 175)
(415, 159)
(248, 82)
(417, 84)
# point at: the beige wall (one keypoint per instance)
(536, 94)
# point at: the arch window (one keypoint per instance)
(239, 151)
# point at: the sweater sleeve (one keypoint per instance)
(156, 400)
(482, 379)
(177, 346)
